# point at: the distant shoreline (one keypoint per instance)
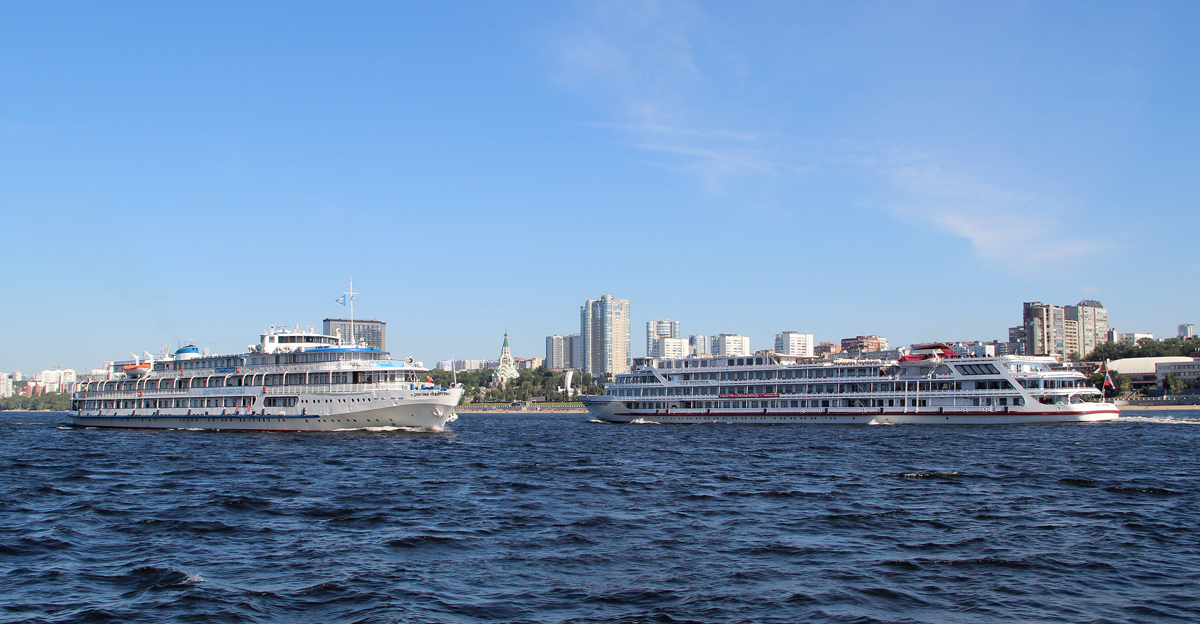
(1194, 408)
(509, 410)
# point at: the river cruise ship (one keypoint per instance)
(293, 380)
(931, 385)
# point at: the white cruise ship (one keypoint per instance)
(293, 380)
(932, 385)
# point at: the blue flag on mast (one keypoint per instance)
(342, 300)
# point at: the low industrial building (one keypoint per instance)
(1143, 372)
(1188, 370)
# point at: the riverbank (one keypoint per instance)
(514, 410)
(1158, 408)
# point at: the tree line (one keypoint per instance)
(530, 383)
(52, 401)
(1146, 347)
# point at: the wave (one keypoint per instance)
(1133, 489)
(418, 541)
(1161, 420)
(153, 577)
(951, 474)
(385, 429)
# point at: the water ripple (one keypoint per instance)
(553, 518)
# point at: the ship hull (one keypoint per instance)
(430, 414)
(613, 411)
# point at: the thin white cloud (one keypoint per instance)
(706, 154)
(1014, 229)
(637, 60)
(681, 132)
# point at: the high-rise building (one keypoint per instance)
(6, 385)
(1017, 335)
(662, 328)
(729, 345)
(605, 330)
(58, 380)
(557, 352)
(1187, 331)
(669, 348)
(1070, 336)
(1089, 330)
(1045, 328)
(1072, 331)
(859, 344)
(698, 345)
(374, 333)
(575, 348)
(564, 352)
(794, 343)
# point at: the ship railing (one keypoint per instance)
(348, 388)
(271, 390)
(130, 394)
(928, 409)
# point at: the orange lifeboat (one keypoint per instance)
(137, 370)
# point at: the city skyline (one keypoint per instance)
(912, 171)
(528, 351)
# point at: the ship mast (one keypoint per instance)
(350, 298)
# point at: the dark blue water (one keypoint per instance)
(530, 518)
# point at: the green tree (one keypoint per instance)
(539, 382)
(53, 401)
(1170, 384)
(1146, 347)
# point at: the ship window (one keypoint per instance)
(976, 369)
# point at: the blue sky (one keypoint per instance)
(196, 172)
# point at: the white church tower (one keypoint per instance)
(507, 369)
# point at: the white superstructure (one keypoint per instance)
(293, 380)
(930, 385)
